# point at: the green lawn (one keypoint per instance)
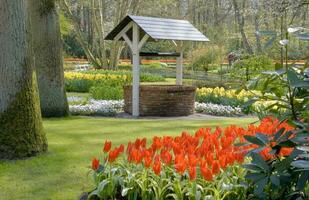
(73, 142)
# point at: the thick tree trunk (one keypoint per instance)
(48, 58)
(21, 131)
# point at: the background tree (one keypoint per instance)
(48, 58)
(21, 131)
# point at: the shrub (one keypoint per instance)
(106, 92)
(251, 66)
(203, 59)
(280, 170)
(82, 82)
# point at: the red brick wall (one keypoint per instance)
(162, 100)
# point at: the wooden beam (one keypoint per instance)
(179, 64)
(127, 39)
(124, 30)
(142, 42)
(136, 71)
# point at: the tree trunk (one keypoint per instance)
(257, 26)
(48, 58)
(21, 131)
(241, 24)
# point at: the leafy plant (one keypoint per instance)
(283, 171)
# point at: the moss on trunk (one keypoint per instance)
(21, 130)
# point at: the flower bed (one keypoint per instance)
(200, 166)
(80, 106)
(217, 109)
(98, 107)
(224, 97)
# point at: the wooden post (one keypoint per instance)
(136, 71)
(179, 64)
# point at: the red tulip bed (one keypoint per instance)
(205, 165)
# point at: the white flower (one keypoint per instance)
(295, 29)
(216, 109)
(284, 42)
(98, 107)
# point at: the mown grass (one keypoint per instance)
(73, 142)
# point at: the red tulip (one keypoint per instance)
(107, 146)
(206, 173)
(147, 161)
(95, 164)
(215, 167)
(157, 166)
(192, 173)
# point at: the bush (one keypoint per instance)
(203, 59)
(251, 66)
(280, 170)
(106, 92)
(82, 82)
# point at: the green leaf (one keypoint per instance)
(295, 81)
(301, 164)
(260, 185)
(125, 191)
(262, 137)
(93, 194)
(275, 180)
(254, 140)
(253, 167)
(303, 179)
(278, 134)
(258, 160)
(102, 185)
(255, 176)
(303, 148)
(305, 155)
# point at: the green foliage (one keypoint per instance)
(280, 177)
(88, 79)
(205, 58)
(250, 66)
(107, 92)
(129, 182)
(287, 89)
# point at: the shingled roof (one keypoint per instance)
(161, 29)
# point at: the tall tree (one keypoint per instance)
(21, 131)
(48, 58)
(241, 24)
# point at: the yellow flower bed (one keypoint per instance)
(94, 77)
(243, 95)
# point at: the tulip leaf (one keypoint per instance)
(125, 191)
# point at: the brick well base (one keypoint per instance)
(162, 100)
